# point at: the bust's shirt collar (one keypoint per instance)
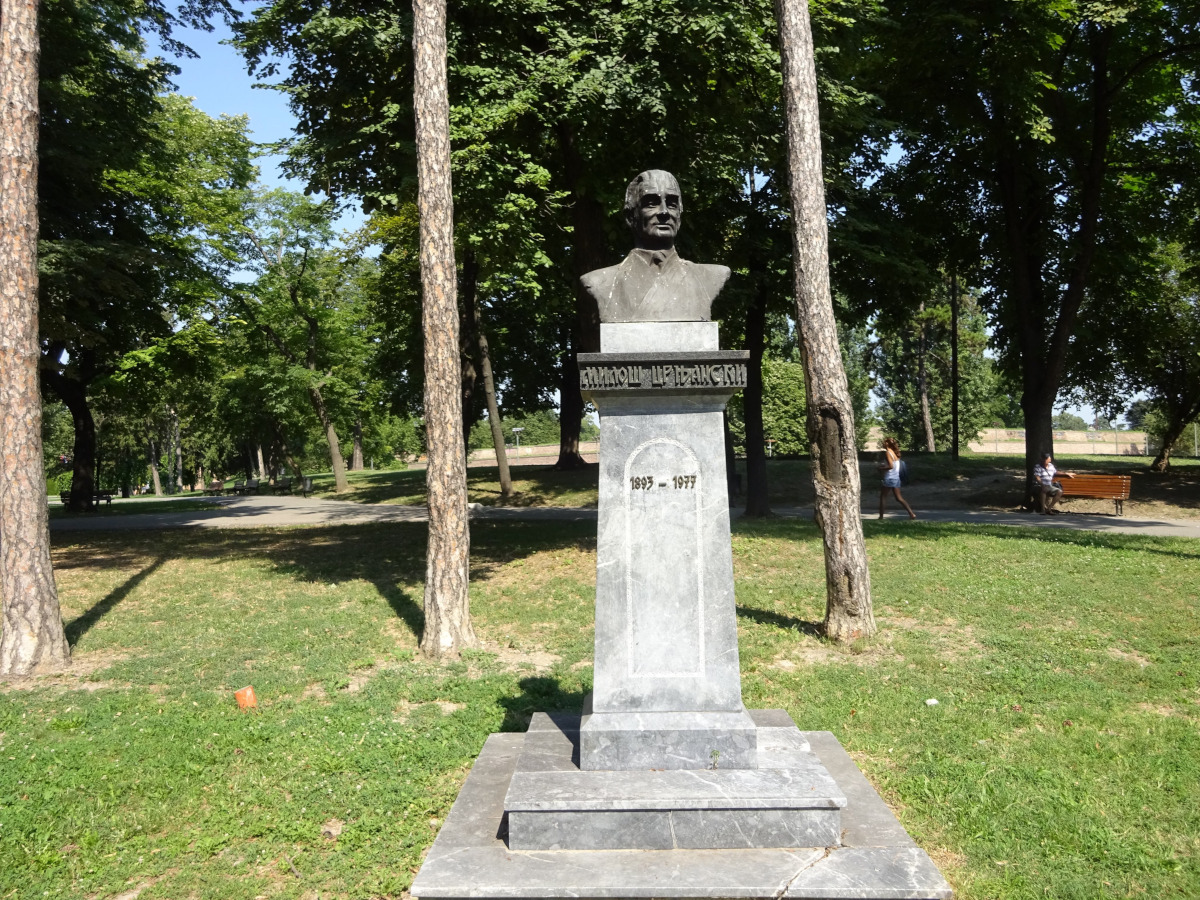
(657, 258)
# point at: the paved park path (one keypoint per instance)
(256, 512)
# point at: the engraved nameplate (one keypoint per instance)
(674, 372)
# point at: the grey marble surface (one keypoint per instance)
(658, 337)
(470, 859)
(666, 624)
(679, 829)
(553, 805)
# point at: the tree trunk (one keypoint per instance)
(331, 438)
(1177, 421)
(32, 638)
(1038, 408)
(154, 464)
(447, 560)
(469, 348)
(83, 474)
(848, 613)
(263, 474)
(356, 459)
(923, 386)
(954, 367)
(489, 386)
(589, 251)
(752, 399)
(176, 451)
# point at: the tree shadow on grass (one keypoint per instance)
(791, 623)
(81, 624)
(539, 693)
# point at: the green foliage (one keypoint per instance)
(784, 407)
(1065, 421)
(897, 361)
(538, 429)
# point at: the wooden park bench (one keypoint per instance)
(283, 485)
(215, 488)
(107, 496)
(1099, 487)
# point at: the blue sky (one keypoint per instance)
(221, 86)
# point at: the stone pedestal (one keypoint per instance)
(667, 691)
(666, 786)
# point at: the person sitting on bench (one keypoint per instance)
(1048, 492)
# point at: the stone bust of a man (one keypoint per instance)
(653, 284)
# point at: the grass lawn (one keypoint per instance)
(976, 481)
(1063, 759)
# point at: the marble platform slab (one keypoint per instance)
(553, 805)
(470, 859)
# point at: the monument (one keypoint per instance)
(664, 758)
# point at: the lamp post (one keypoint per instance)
(517, 435)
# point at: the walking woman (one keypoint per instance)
(889, 468)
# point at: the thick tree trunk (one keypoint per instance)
(732, 480)
(331, 438)
(848, 613)
(923, 387)
(468, 348)
(263, 474)
(1038, 407)
(83, 474)
(31, 635)
(356, 459)
(757, 504)
(447, 561)
(589, 251)
(954, 367)
(489, 384)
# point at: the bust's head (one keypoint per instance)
(653, 206)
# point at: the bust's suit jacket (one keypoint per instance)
(656, 286)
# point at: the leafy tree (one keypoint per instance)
(1065, 421)
(140, 196)
(304, 305)
(899, 364)
(1035, 130)
(1156, 350)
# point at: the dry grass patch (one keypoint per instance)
(1130, 656)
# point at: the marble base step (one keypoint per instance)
(874, 859)
(790, 801)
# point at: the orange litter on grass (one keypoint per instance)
(246, 698)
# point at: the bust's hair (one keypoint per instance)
(633, 193)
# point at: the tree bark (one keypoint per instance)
(848, 613)
(757, 504)
(31, 636)
(83, 465)
(153, 447)
(262, 466)
(489, 385)
(923, 386)
(175, 451)
(469, 348)
(589, 251)
(331, 438)
(954, 366)
(447, 562)
(356, 459)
